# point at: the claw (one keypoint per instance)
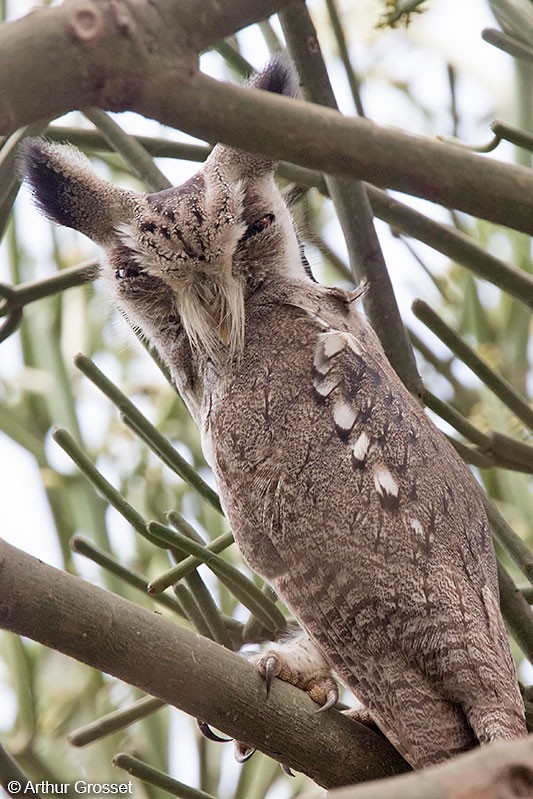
(287, 769)
(271, 669)
(242, 752)
(332, 697)
(208, 733)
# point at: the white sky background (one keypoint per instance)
(450, 29)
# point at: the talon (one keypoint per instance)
(208, 733)
(287, 769)
(332, 697)
(271, 669)
(242, 752)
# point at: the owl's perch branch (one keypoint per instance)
(491, 772)
(194, 674)
(87, 53)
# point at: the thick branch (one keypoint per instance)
(94, 52)
(186, 670)
(108, 53)
(322, 139)
(492, 772)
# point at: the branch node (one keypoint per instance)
(86, 23)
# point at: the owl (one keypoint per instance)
(340, 491)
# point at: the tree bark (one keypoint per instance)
(503, 770)
(109, 53)
(188, 671)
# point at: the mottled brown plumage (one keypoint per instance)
(340, 492)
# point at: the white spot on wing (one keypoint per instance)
(360, 447)
(344, 415)
(333, 344)
(416, 526)
(325, 385)
(385, 482)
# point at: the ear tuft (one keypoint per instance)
(68, 192)
(45, 166)
(279, 77)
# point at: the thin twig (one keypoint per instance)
(86, 548)
(137, 768)
(497, 384)
(147, 431)
(117, 720)
(242, 588)
(137, 158)
(516, 612)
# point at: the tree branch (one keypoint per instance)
(492, 772)
(186, 670)
(108, 53)
(101, 53)
(353, 209)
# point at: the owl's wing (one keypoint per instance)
(407, 474)
(400, 586)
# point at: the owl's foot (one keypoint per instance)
(361, 715)
(298, 662)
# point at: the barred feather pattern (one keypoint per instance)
(345, 497)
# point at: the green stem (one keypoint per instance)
(84, 547)
(192, 609)
(441, 366)
(109, 492)
(147, 431)
(270, 36)
(158, 148)
(507, 43)
(509, 540)
(469, 455)
(497, 384)
(216, 628)
(132, 151)
(190, 563)
(509, 448)
(243, 588)
(153, 776)
(236, 61)
(38, 289)
(117, 720)
(516, 612)
(353, 81)
(516, 136)
(455, 245)
(213, 618)
(455, 419)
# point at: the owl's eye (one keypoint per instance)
(126, 271)
(259, 225)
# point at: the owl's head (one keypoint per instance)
(191, 255)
